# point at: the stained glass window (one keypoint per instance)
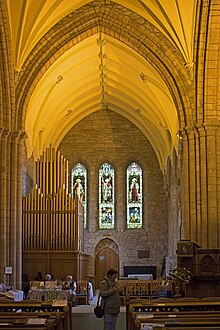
(79, 186)
(134, 196)
(106, 197)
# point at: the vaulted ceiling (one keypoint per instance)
(100, 72)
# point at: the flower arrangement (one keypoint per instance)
(181, 274)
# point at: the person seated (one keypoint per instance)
(50, 282)
(2, 287)
(70, 284)
(38, 277)
(25, 285)
(47, 277)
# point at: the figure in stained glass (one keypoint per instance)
(134, 196)
(106, 196)
(79, 186)
(134, 190)
(134, 214)
(106, 215)
(78, 189)
(106, 190)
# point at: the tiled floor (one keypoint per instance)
(83, 318)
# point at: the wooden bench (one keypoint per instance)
(165, 311)
(38, 309)
(25, 324)
(58, 317)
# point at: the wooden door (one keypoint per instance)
(105, 259)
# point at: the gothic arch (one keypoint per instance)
(122, 24)
(106, 242)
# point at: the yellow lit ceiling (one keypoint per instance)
(94, 75)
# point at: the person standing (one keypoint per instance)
(109, 291)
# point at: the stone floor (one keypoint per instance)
(83, 317)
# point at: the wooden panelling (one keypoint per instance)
(56, 263)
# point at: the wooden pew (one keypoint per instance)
(137, 320)
(16, 324)
(162, 310)
(22, 317)
(28, 306)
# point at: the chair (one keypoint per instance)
(143, 289)
(34, 284)
(154, 287)
(50, 284)
(131, 289)
(122, 293)
(82, 293)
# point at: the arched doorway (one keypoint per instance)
(107, 256)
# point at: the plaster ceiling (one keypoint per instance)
(76, 85)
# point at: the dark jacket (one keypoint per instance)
(109, 292)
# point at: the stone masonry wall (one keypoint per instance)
(105, 136)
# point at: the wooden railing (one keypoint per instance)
(150, 289)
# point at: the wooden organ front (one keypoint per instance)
(52, 223)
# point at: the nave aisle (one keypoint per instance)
(83, 317)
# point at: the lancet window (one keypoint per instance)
(79, 186)
(106, 196)
(134, 196)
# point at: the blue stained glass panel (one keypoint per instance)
(106, 196)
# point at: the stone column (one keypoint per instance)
(4, 198)
(202, 205)
(201, 185)
(188, 183)
(17, 138)
(20, 147)
(213, 181)
(14, 254)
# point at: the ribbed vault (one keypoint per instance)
(104, 57)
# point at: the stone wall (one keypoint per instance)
(105, 136)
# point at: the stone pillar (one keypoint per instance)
(188, 182)
(202, 205)
(201, 185)
(4, 207)
(14, 254)
(11, 146)
(18, 274)
(213, 180)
